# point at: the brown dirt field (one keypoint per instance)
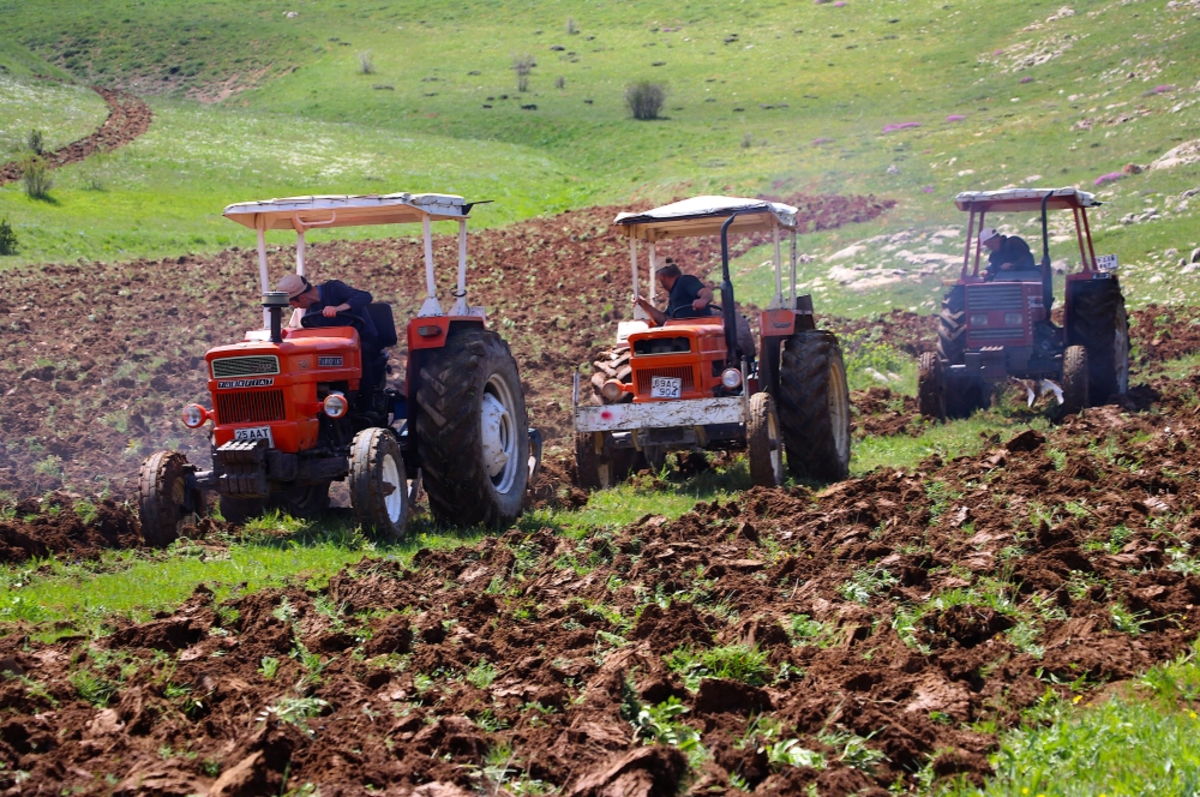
(835, 589)
(128, 118)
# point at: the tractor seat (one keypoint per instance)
(385, 324)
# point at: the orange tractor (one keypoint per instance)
(697, 384)
(996, 326)
(295, 407)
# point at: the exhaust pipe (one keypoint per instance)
(275, 301)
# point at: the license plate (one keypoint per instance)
(252, 433)
(665, 387)
(1106, 262)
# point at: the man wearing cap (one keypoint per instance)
(1009, 253)
(687, 296)
(322, 304)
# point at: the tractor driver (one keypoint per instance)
(688, 297)
(1009, 254)
(327, 300)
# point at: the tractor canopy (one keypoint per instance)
(301, 212)
(704, 215)
(1016, 200)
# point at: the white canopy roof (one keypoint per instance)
(302, 212)
(1024, 199)
(704, 215)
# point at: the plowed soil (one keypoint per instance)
(128, 118)
(887, 625)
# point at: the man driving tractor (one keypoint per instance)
(688, 297)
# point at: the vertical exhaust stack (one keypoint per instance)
(274, 302)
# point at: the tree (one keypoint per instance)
(645, 99)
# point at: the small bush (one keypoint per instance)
(572, 28)
(523, 65)
(8, 239)
(646, 99)
(35, 142)
(36, 177)
(366, 63)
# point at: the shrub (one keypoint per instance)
(572, 28)
(646, 99)
(35, 142)
(366, 63)
(8, 239)
(523, 65)
(36, 177)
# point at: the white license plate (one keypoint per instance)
(665, 387)
(1106, 262)
(252, 433)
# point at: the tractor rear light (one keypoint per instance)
(194, 416)
(429, 330)
(612, 390)
(1013, 319)
(731, 378)
(335, 405)
(979, 319)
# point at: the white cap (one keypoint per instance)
(987, 234)
(293, 285)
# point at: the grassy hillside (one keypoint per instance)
(251, 100)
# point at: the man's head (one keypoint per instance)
(990, 238)
(668, 273)
(301, 292)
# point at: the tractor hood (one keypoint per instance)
(704, 215)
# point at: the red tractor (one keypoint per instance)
(997, 325)
(697, 384)
(296, 407)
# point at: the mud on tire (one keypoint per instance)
(814, 406)
(1099, 324)
(952, 326)
(931, 387)
(162, 496)
(472, 430)
(1075, 380)
(764, 442)
(378, 489)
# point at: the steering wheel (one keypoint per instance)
(688, 307)
(319, 320)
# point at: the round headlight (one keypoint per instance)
(194, 416)
(731, 378)
(611, 390)
(335, 405)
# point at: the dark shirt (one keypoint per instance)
(1012, 250)
(685, 291)
(335, 293)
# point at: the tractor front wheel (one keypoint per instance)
(604, 469)
(378, 488)
(1075, 379)
(814, 406)
(764, 442)
(163, 497)
(931, 389)
(472, 430)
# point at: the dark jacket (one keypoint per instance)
(685, 291)
(334, 293)
(1012, 250)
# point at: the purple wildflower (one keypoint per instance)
(819, 141)
(1108, 178)
(900, 126)
(997, 52)
(839, 3)
(1161, 89)
(928, 189)
(955, 117)
(1027, 79)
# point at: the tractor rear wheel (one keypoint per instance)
(378, 488)
(952, 326)
(1075, 379)
(472, 430)
(814, 406)
(931, 389)
(1099, 324)
(163, 496)
(764, 442)
(239, 510)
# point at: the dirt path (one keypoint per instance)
(128, 118)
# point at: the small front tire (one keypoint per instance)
(378, 488)
(1075, 379)
(163, 497)
(931, 389)
(764, 442)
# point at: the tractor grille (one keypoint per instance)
(994, 297)
(1003, 333)
(252, 365)
(253, 406)
(685, 374)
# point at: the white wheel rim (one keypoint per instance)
(389, 476)
(499, 434)
(839, 410)
(776, 440)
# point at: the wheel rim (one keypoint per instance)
(389, 475)
(776, 439)
(499, 434)
(839, 410)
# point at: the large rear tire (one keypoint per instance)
(1099, 324)
(768, 365)
(472, 430)
(1075, 380)
(764, 442)
(163, 496)
(814, 406)
(952, 326)
(378, 488)
(931, 389)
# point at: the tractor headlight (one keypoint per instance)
(194, 416)
(335, 405)
(979, 319)
(1013, 319)
(731, 378)
(612, 389)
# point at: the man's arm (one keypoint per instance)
(338, 297)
